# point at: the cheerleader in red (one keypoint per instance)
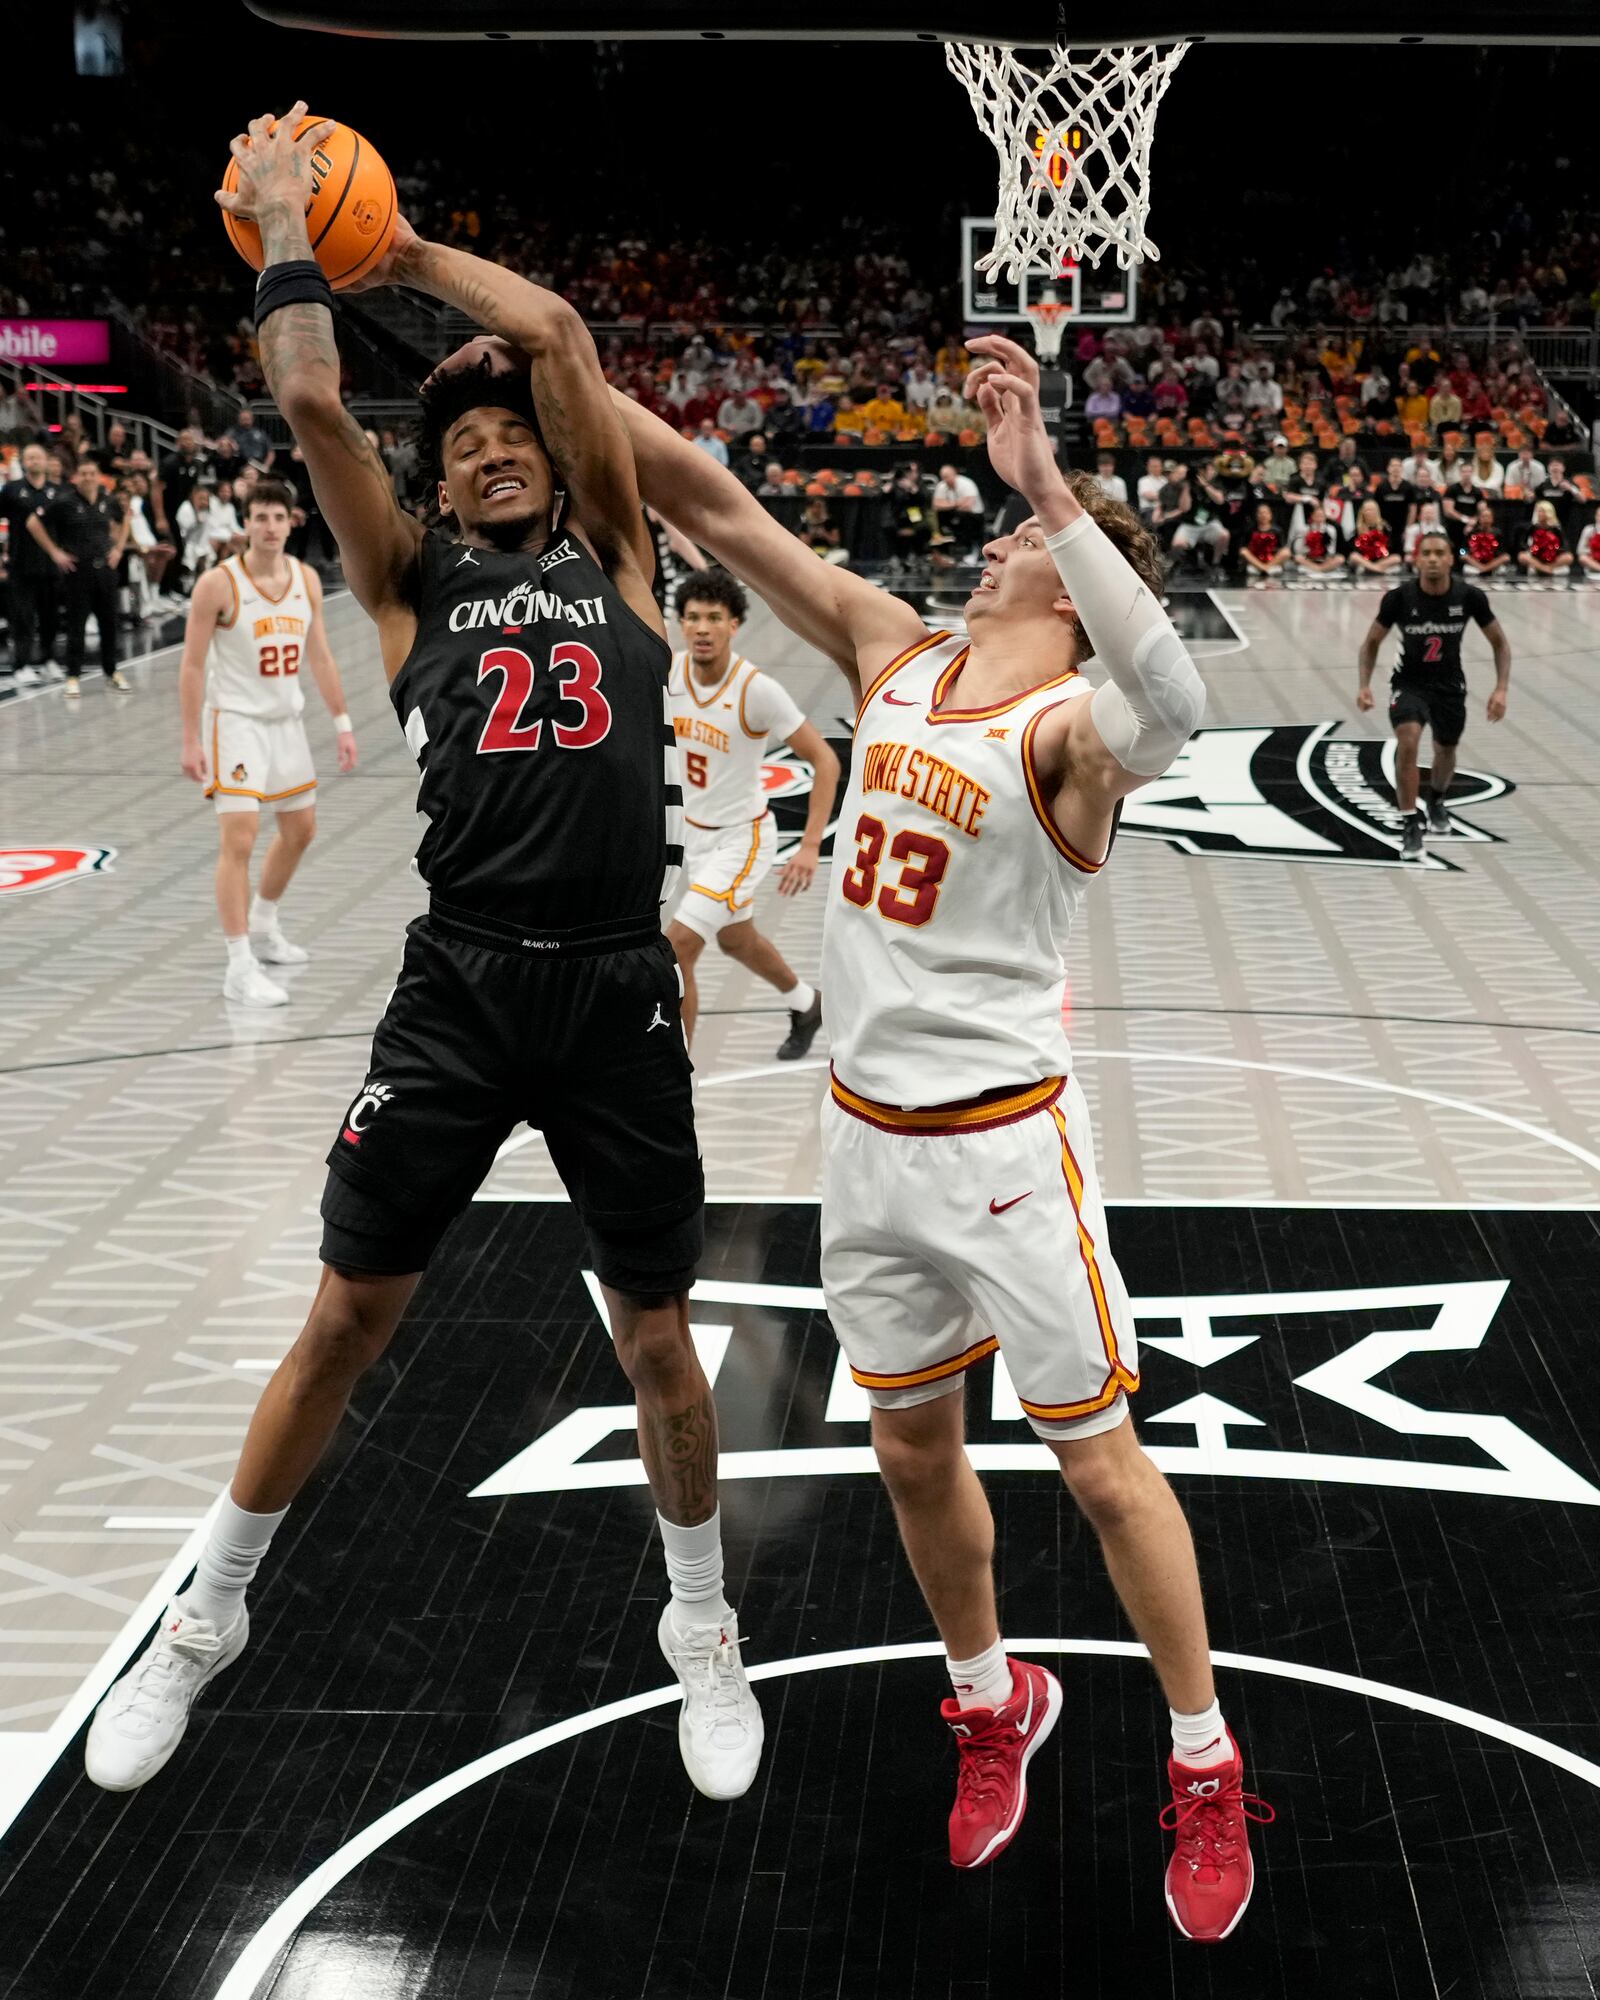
(1486, 548)
(1316, 547)
(1546, 552)
(1265, 553)
(1372, 555)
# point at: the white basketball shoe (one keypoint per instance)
(250, 986)
(275, 948)
(720, 1731)
(141, 1721)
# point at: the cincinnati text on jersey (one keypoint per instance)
(526, 605)
(928, 781)
(691, 729)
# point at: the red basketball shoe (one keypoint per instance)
(994, 1746)
(1211, 1873)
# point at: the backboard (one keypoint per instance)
(1102, 295)
(1023, 23)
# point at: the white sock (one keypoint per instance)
(229, 1560)
(1201, 1740)
(982, 1682)
(263, 915)
(799, 997)
(239, 951)
(694, 1569)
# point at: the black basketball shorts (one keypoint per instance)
(1439, 705)
(490, 1025)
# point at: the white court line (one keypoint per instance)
(256, 1960)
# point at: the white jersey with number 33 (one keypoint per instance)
(258, 649)
(953, 892)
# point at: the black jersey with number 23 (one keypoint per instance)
(1433, 626)
(535, 702)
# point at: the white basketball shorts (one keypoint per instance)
(724, 866)
(951, 1232)
(251, 763)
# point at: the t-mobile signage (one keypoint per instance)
(62, 343)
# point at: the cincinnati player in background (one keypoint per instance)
(254, 622)
(724, 710)
(528, 670)
(960, 1210)
(1428, 689)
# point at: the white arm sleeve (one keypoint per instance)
(1154, 700)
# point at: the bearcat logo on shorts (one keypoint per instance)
(1296, 792)
(24, 869)
(374, 1096)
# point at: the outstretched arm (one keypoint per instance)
(1136, 722)
(378, 543)
(856, 625)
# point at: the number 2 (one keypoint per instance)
(1433, 651)
(280, 659)
(913, 898)
(505, 731)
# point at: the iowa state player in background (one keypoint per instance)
(527, 664)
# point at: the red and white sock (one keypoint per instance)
(1201, 1741)
(983, 1681)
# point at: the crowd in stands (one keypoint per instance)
(1312, 518)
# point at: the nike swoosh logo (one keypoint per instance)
(1000, 1207)
(1022, 1726)
(899, 700)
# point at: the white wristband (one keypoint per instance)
(342, 724)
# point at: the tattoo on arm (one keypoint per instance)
(679, 1450)
(298, 350)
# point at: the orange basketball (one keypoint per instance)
(351, 213)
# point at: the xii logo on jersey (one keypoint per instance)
(1297, 792)
(24, 869)
(562, 552)
(374, 1096)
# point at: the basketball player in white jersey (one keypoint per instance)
(960, 1207)
(723, 711)
(254, 621)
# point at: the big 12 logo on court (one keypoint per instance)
(24, 869)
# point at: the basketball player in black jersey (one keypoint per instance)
(1428, 688)
(528, 666)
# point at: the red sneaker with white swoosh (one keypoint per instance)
(1211, 1873)
(995, 1746)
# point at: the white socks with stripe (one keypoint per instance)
(694, 1569)
(229, 1561)
(239, 952)
(800, 997)
(982, 1682)
(263, 915)
(1200, 1741)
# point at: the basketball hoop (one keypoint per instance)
(1073, 138)
(1049, 315)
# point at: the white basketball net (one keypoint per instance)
(1073, 136)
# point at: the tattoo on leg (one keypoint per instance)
(680, 1455)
